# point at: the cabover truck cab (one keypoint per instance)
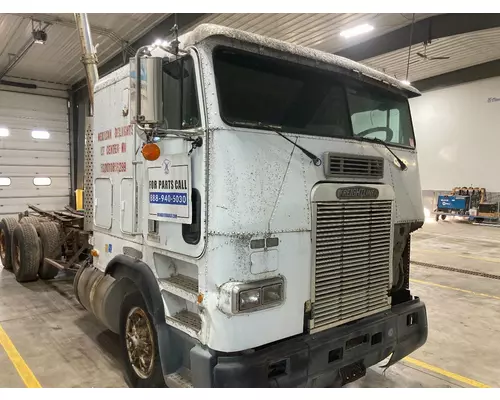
(253, 203)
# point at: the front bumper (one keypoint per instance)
(330, 358)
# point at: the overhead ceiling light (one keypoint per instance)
(405, 82)
(357, 30)
(160, 43)
(39, 36)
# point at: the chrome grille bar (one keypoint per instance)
(351, 261)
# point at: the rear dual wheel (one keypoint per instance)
(7, 227)
(49, 235)
(25, 253)
(35, 221)
(31, 244)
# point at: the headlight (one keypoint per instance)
(272, 293)
(254, 296)
(249, 299)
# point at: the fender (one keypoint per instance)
(140, 274)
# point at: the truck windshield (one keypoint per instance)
(269, 91)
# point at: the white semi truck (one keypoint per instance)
(251, 204)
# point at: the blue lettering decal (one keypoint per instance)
(180, 199)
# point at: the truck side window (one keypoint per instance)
(192, 232)
(180, 100)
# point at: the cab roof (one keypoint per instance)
(205, 31)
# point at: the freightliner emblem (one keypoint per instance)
(357, 192)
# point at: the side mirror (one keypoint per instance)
(146, 87)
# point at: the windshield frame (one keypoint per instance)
(389, 96)
(340, 80)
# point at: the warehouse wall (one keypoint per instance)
(35, 155)
(458, 137)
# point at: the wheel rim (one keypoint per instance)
(140, 342)
(3, 245)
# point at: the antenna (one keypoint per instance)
(409, 48)
(175, 42)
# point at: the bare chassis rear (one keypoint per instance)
(41, 243)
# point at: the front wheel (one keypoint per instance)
(139, 344)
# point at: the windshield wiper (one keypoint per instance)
(315, 159)
(276, 128)
(402, 164)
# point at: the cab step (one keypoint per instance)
(182, 286)
(186, 321)
(179, 379)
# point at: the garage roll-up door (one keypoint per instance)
(34, 152)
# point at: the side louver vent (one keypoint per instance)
(337, 165)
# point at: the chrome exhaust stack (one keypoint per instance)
(89, 55)
(89, 60)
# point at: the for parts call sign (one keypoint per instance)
(170, 189)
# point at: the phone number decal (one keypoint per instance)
(168, 198)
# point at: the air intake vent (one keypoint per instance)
(353, 166)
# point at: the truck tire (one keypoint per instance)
(147, 374)
(50, 248)
(7, 226)
(25, 253)
(35, 221)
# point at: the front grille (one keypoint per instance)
(352, 256)
(354, 166)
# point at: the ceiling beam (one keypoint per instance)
(435, 27)
(160, 31)
(476, 72)
(56, 20)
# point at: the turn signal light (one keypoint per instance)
(94, 253)
(151, 151)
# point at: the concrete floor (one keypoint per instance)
(64, 345)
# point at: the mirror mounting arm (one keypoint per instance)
(139, 118)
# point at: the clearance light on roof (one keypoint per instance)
(407, 83)
(357, 30)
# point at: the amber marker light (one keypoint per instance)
(151, 151)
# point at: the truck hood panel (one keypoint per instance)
(261, 184)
